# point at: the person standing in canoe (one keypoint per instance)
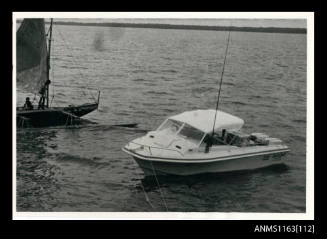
(43, 94)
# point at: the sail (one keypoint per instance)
(31, 55)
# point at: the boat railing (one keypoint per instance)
(149, 147)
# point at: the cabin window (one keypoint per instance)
(192, 134)
(170, 126)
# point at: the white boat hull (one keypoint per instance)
(161, 167)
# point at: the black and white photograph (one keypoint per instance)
(163, 115)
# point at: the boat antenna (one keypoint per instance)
(221, 80)
(48, 61)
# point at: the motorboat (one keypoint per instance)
(204, 141)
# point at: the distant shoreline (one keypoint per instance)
(190, 27)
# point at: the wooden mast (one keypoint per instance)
(48, 62)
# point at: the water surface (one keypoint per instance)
(146, 75)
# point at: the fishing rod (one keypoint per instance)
(221, 80)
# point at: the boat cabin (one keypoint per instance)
(193, 131)
(196, 128)
(198, 138)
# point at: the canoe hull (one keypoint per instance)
(54, 116)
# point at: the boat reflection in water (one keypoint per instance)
(186, 144)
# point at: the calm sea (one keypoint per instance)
(144, 76)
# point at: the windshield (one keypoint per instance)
(170, 126)
(192, 134)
